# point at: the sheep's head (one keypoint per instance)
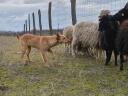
(104, 13)
(107, 23)
(126, 6)
(121, 15)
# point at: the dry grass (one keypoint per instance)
(67, 76)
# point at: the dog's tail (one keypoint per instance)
(18, 37)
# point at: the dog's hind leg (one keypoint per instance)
(28, 52)
(24, 48)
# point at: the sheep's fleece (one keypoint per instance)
(86, 33)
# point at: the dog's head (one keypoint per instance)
(61, 38)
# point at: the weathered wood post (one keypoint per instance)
(29, 23)
(24, 29)
(40, 24)
(58, 27)
(73, 11)
(26, 26)
(50, 17)
(34, 26)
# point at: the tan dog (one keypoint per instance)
(42, 43)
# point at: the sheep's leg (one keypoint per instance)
(70, 50)
(99, 54)
(65, 48)
(121, 61)
(126, 57)
(108, 56)
(88, 52)
(115, 55)
(73, 49)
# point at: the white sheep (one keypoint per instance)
(67, 32)
(86, 35)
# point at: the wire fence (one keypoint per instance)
(86, 10)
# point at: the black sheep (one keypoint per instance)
(121, 15)
(108, 28)
(122, 41)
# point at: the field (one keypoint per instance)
(67, 76)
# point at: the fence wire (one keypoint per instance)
(86, 10)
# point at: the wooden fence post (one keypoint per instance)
(50, 17)
(34, 26)
(29, 23)
(58, 27)
(26, 26)
(24, 29)
(40, 24)
(73, 11)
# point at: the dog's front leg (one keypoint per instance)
(22, 55)
(49, 50)
(23, 49)
(27, 53)
(43, 55)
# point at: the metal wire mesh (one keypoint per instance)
(86, 10)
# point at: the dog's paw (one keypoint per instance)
(53, 58)
(46, 65)
(26, 62)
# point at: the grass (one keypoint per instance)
(67, 76)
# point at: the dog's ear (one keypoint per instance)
(60, 33)
(18, 37)
(58, 36)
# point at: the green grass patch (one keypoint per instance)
(67, 76)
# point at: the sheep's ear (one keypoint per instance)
(126, 6)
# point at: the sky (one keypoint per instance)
(13, 13)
